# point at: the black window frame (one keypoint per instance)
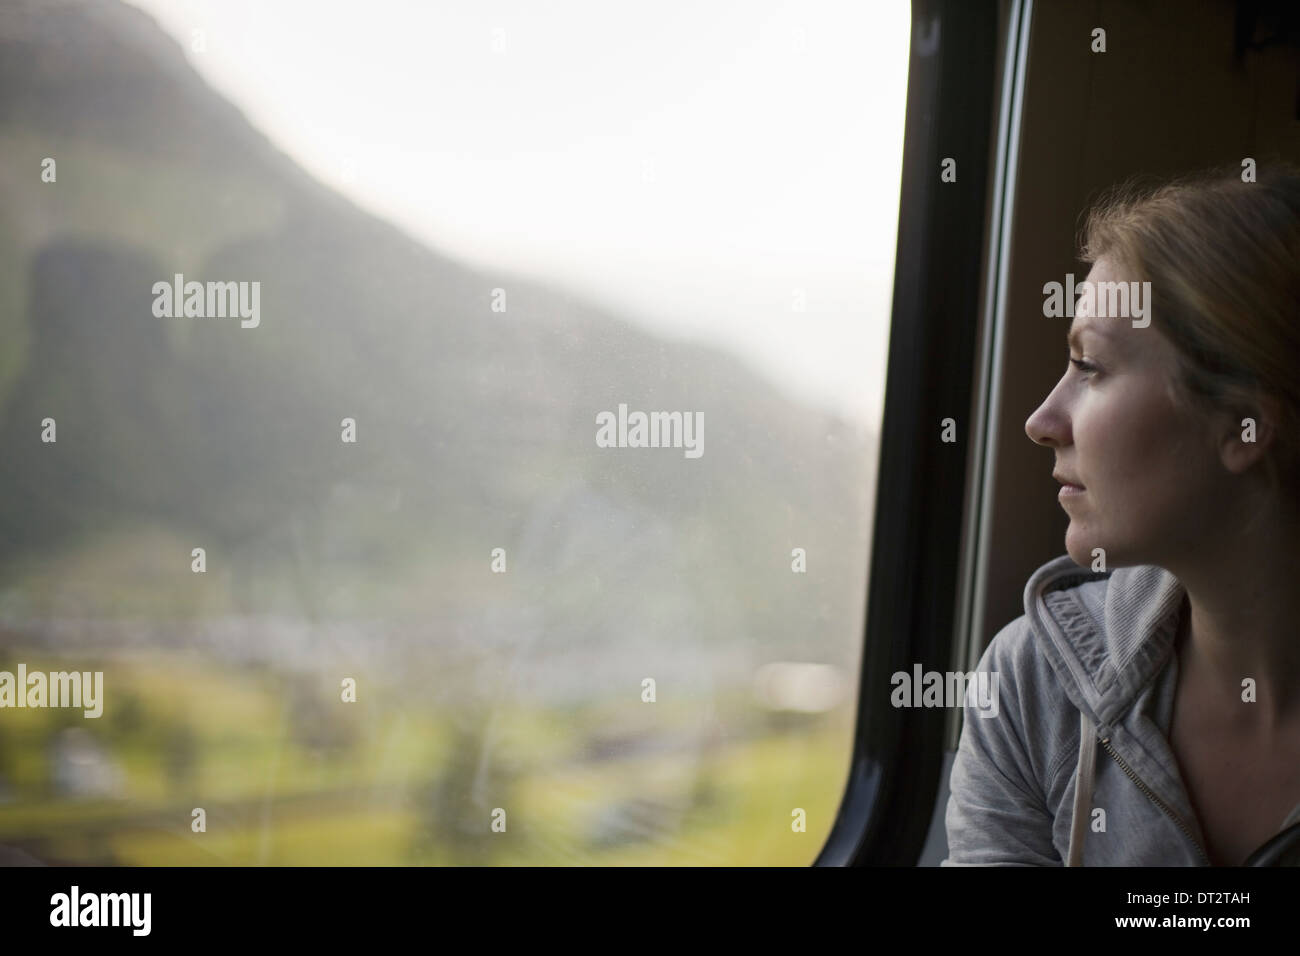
(921, 546)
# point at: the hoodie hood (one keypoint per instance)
(1105, 633)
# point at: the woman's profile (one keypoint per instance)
(1150, 708)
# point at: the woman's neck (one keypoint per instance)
(1239, 626)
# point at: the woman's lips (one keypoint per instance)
(1068, 490)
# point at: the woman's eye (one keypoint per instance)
(1082, 366)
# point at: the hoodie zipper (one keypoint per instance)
(1105, 742)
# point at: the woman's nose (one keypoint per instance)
(1046, 426)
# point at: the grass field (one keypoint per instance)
(287, 777)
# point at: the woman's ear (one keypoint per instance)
(1248, 433)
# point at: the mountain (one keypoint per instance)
(475, 428)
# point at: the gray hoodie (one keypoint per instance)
(1086, 680)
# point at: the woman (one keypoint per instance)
(1150, 694)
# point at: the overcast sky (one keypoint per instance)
(692, 162)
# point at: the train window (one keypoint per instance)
(439, 433)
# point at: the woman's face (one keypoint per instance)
(1150, 472)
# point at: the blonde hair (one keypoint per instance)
(1223, 260)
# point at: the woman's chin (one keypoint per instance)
(1080, 548)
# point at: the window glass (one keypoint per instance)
(438, 433)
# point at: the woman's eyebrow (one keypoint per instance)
(1072, 339)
